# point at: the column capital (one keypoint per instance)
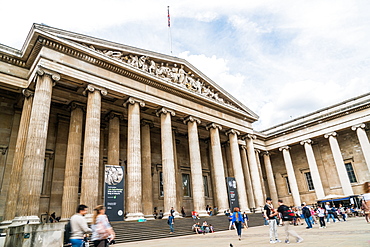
(243, 147)
(27, 93)
(361, 125)
(113, 114)
(147, 122)
(75, 104)
(284, 148)
(132, 101)
(191, 119)
(266, 153)
(306, 141)
(214, 126)
(249, 136)
(232, 131)
(41, 71)
(333, 134)
(91, 88)
(164, 110)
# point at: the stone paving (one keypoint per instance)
(354, 232)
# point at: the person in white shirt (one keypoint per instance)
(366, 201)
(321, 215)
(79, 226)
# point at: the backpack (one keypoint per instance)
(306, 212)
(67, 232)
(288, 214)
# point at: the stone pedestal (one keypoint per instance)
(291, 176)
(196, 166)
(90, 169)
(168, 164)
(72, 168)
(17, 167)
(238, 170)
(338, 159)
(134, 193)
(256, 181)
(33, 164)
(319, 190)
(218, 168)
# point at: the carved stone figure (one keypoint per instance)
(182, 75)
(197, 86)
(133, 60)
(141, 62)
(206, 91)
(159, 70)
(175, 74)
(152, 67)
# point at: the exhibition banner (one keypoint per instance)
(232, 193)
(114, 192)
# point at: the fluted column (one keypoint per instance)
(255, 176)
(113, 138)
(16, 172)
(339, 163)
(291, 175)
(364, 142)
(33, 164)
(146, 169)
(238, 170)
(270, 178)
(90, 165)
(134, 192)
(247, 176)
(196, 166)
(257, 152)
(218, 168)
(168, 164)
(319, 189)
(72, 168)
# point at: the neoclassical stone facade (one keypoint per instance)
(71, 104)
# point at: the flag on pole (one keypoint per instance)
(168, 16)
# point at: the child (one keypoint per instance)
(321, 215)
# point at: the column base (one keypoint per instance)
(23, 220)
(203, 214)
(258, 210)
(4, 225)
(175, 214)
(134, 216)
(149, 217)
(245, 210)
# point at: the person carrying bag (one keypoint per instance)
(101, 228)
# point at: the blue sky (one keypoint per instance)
(282, 59)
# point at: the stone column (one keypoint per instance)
(255, 176)
(257, 152)
(291, 175)
(16, 173)
(196, 166)
(168, 163)
(339, 163)
(33, 163)
(146, 169)
(73, 159)
(270, 178)
(364, 142)
(238, 170)
(247, 177)
(218, 168)
(113, 139)
(319, 189)
(90, 165)
(134, 193)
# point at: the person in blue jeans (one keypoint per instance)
(79, 226)
(329, 213)
(238, 220)
(171, 222)
(307, 215)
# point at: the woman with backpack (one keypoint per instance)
(101, 228)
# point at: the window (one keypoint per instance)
(309, 181)
(351, 173)
(186, 185)
(205, 183)
(287, 184)
(161, 193)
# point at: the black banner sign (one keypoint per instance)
(113, 192)
(232, 193)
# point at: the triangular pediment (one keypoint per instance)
(171, 69)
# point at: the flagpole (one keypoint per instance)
(169, 28)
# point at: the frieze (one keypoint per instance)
(170, 72)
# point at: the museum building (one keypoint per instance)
(71, 104)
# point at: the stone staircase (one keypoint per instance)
(154, 229)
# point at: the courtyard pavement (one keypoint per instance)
(354, 232)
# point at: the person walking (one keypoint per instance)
(246, 219)
(270, 215)
(79, 226)
(102, 231)
(171, 222)
(287, 215)
(366, 201)
(183, 212)
(237, 219)
(307, 215)
(321, 215)
(329, 212)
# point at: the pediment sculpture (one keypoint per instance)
(170, 72)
